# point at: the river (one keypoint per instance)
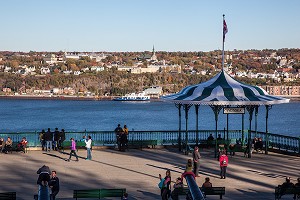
(20, 115)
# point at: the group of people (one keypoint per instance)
(122, 137)
(289, 184)
(7, 145)
(52, 140)
(192, 168)
(44, 179)
(165, 186)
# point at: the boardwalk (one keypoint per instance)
(137, 171)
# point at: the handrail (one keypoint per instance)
(193, 187)
(108, 138)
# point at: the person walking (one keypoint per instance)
(54, 185)
(73, 150)
(196, 160)
(88, 145)
(223, 164)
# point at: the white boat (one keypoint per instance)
(134, 97)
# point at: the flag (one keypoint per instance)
(225, 30)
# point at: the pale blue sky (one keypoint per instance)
(137, 25)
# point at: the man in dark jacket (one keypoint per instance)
(44, 175)
(54, 185)
(48, 138)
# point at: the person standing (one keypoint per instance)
(196, 160)
(54, 184)
(55, 139)
(42, 139)
(62, 138)
(88, 145)
(223, 164)
(165, 190)
(118, 132)
(48, 138)
(73, 150)
(125, 131)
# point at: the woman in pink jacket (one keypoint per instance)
(223, 164)
(73, 150)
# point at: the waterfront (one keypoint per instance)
(33, 115)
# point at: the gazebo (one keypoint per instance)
(223, 92)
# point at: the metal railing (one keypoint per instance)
(108, 138)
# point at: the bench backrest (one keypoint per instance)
(98, 193)
(8, 196)
(112, 192)
(214, 190)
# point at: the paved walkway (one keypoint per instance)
(137, 171)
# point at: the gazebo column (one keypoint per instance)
(243, 127)
(179, 128)
(186, 108)
(216, 109)
(250, 110)
(268, 107)
(197, 128)
(227, 125)
(256, 113)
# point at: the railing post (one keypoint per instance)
(299, 146)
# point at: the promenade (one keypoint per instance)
(137, 171)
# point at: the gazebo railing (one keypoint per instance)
(108, 138)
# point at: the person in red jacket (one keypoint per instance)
(223, 164)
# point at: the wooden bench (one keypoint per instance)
(237, 148)
(142, 143)
(206, 191)
(214, 191)
(290, 190)
(98, 193)
(8, 196)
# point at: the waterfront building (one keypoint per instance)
(154, 91)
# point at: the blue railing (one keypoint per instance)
(108, 138)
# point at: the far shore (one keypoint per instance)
(96, 98)
(63, 97)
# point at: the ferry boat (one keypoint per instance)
(134, 97)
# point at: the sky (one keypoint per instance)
(138, 25)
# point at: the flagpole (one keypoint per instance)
(223, 43)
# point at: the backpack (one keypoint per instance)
(161, 183)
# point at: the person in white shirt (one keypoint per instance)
(88, 145)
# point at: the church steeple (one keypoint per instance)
(153, 51)
(153, 57)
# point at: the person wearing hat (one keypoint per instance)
(196, 160)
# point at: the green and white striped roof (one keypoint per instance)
(224, 90)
